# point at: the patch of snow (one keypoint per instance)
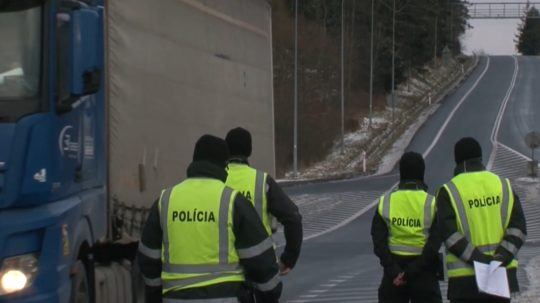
(405, 93)
(531, 187)
(349, 160)
(398, 148)
(528, 180)
(532, 294)
(289, 177)
(355, 137)
(419, 85)
(378, 120)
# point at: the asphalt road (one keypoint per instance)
(339, 266)
(523, 110)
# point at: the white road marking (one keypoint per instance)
(514, 151)
(507, 164)
(458, 105)
(425, 154)
(497, 125)
(324, 213)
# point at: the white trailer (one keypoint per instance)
(178, 69)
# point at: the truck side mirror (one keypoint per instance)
(78, 50)
(86, 71)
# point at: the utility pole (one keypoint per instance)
(436, 33)
(451, 22)
(295, 145)
(371, 65)
(342, 76)
(393, 60)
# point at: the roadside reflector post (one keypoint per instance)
(364, 164)
(532, 140)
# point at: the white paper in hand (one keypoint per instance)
(492, 279)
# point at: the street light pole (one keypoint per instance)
(436, 37)
(393, 60)
(371, 65)
(342, 76)
(295, 144)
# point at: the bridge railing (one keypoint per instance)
(499, 10)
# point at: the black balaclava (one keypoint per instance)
(412, 167)
(239, 142)
(466, 149)
(211, 149)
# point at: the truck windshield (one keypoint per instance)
(20, 54)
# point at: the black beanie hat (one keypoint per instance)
(466, 149)
(411, 166)
(211, 149)
(239, 142)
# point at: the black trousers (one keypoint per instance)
(423, 289)
(490, 300)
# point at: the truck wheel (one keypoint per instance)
(80, 288)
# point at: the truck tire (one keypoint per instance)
(80, 288)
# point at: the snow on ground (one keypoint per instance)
(349, 162)
(527, 180)
(337, 162)
(530, 189)
(532, 294)
(398, 148)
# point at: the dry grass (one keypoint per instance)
(319, 82)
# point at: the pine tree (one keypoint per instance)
(528, 37)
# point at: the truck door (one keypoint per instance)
(78, 90)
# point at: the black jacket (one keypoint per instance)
(248, 230)
(465, 287)
(412, 265)
(286, 212)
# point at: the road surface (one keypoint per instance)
(337, 263)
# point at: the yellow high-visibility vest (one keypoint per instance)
(252, 184)
(409, 215)
(198, 241)
(482, 202)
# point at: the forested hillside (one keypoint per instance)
(423, 29)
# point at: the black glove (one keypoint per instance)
(486, 259)
(393, 271)
(246, 294)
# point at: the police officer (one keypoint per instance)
(268, 198)
(202, 240)
(405, 238)
(481, 220)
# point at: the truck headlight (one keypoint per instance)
(17, 273)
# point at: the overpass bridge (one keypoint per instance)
(500, 10)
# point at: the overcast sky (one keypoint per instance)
(493, 36)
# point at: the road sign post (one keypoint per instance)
(532, 140)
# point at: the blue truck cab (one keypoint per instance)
(88, 140)
(53, 172)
